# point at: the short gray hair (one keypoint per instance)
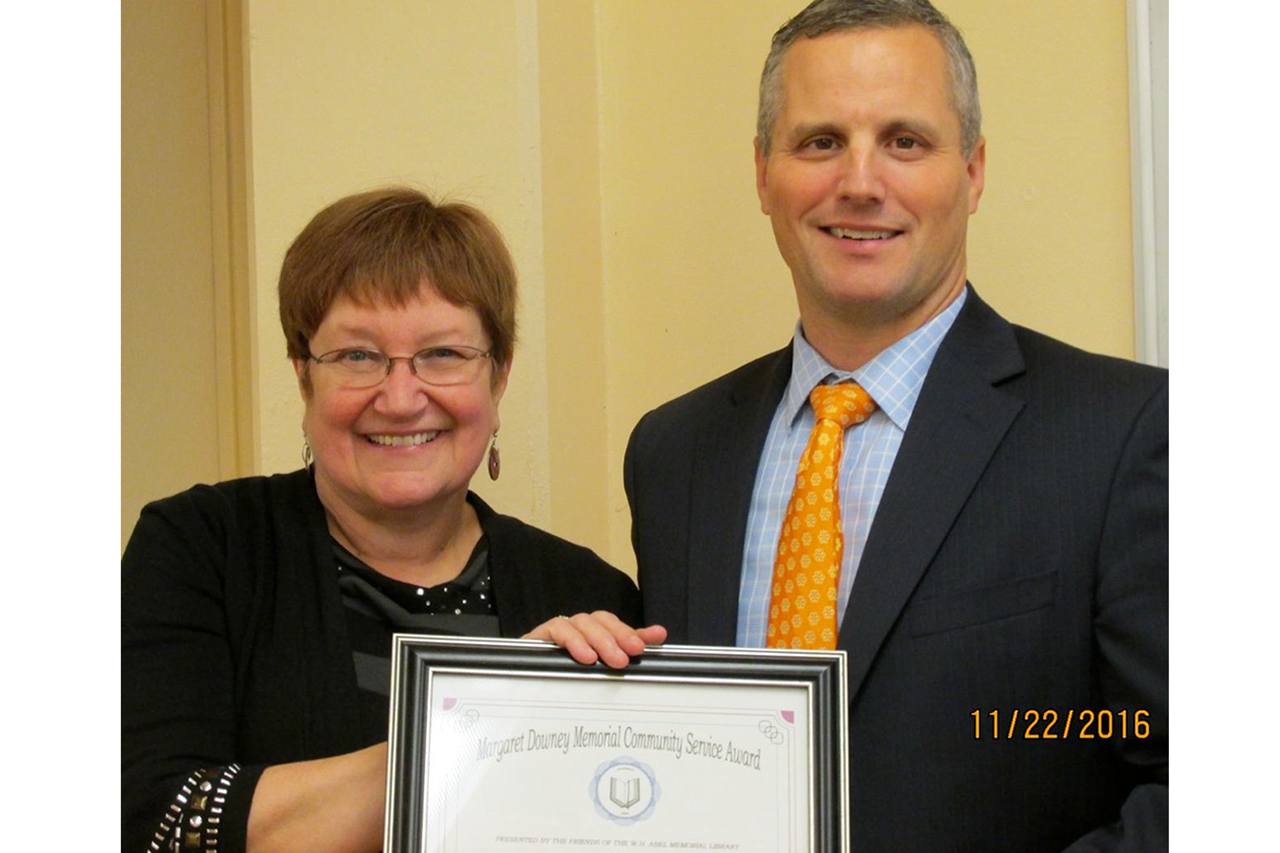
(824, 16)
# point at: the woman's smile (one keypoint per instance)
(411, 440)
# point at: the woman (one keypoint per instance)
(257, 613)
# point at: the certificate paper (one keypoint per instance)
(592, 763)
(521, 758)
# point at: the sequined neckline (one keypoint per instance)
(470, 592)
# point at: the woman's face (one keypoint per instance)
(364, 459)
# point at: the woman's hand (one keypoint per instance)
(589, 637)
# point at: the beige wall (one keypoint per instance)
(582, 469)
(168, 373)
(611, 142)
(1050, 246)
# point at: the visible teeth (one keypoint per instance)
(849, 234)
(403, 440)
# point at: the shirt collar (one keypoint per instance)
(893, 378)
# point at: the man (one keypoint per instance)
(1001, 543)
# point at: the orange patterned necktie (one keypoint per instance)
(806, 571)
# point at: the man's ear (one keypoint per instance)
(977, 169)
(762, 178)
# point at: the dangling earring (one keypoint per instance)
(307, 456)
(495, 460)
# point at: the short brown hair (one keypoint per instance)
(382, 246)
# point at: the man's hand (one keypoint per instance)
(598, 636)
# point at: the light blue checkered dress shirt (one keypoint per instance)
(893, 379)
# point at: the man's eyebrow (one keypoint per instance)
(918, 126)
(910, 125)
(804, 131)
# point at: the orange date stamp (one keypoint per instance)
(1051, 724)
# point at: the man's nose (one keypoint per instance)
(861, 180)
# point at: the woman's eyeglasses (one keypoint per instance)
(360, 367)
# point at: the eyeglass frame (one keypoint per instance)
(392, 359)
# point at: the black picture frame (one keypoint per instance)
(415, 658)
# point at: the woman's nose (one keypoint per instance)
(401, 390)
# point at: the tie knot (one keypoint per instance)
(846, 404)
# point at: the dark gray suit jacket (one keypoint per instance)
(1018, 561)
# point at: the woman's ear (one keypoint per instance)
(499, 385)
(300, 370)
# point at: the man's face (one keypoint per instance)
(866, 183)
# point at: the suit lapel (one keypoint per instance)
(959, 420)
(720, 496)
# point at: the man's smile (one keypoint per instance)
(861, 234)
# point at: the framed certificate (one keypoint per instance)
(499, 746)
